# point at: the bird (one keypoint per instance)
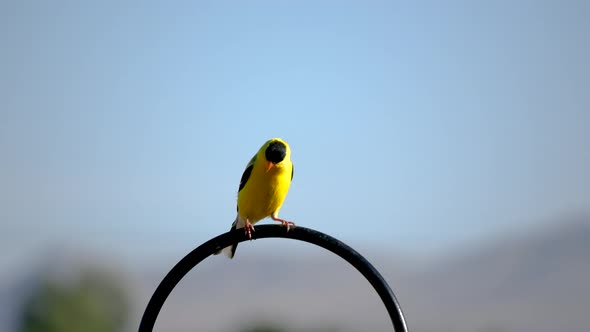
(263, 188)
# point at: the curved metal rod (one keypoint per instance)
(269, 231)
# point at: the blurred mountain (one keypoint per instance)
(536, 281)
(531, 282)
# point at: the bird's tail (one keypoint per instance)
(231, 250)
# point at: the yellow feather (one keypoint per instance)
(264, 192)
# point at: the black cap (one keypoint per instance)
(276, 152)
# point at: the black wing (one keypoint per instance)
(292, 171)
(246, 174)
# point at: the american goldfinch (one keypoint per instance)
(263, 188)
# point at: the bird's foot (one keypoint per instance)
(248, 229)
(285, 223)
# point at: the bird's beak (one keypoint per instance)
(269, 166)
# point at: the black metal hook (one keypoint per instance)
(277, 231)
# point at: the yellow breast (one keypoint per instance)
(265, 192)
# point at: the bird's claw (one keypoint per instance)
(286, 223)
(248, 229)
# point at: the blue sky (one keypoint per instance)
(414, 127)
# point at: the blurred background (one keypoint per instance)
(448, 142)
